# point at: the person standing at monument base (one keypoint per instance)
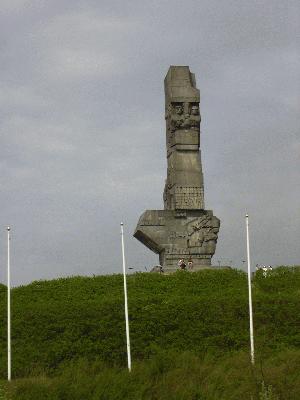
(182, 264)
(190, 263)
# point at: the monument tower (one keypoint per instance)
(184, 228)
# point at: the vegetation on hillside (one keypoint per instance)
(189, 337)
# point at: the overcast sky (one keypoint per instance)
(83, 133)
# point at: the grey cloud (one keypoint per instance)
(82, 129)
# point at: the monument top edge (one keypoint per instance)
(178, 72)
(180, 85)
(178, 66)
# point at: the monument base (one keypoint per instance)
(179, 234)
(194, 269)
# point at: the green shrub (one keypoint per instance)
(267, 393)
(181, 325)
(168, 375)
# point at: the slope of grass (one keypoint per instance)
(169, 375)
(199, 321)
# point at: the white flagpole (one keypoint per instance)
(250, 293)
(126, 303)
(8, 308)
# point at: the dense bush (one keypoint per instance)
(169, 376)
(57, 323)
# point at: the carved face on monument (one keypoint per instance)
(212, 234)
(195, 109)
(178, 108)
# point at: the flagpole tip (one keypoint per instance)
(246, 215)
(8, 228)
(121, 224)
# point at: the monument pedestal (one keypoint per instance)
(180, 234)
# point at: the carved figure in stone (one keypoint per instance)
(211, 236)
(195, 109)
(196, 231)
(196, 239)
(195, 118)
(177, 118)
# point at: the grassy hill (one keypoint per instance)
(189, 337)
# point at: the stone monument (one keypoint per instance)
(184, 229)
